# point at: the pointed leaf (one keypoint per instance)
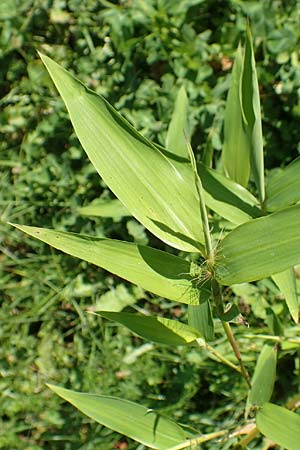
(280, 425)
(125, 417)
(260, 248)
(154, 270)
(178, 131)
(286, 281)
(264, 377)
(155, 329)
(149, 184)
(252, 115)
(104, 208)
(237, 145)
(284, 188)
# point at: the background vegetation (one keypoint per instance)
(137, 54)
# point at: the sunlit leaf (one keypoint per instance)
(128, 418)
(178, 131)
(154, 270)
(150, 185)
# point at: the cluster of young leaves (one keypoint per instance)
(120, 153)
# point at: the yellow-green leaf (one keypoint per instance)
(155, 329)
(153, 187)
(156, 271)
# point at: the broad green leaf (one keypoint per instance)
(227, 198)
(237, 145)
(286, 281)
(154, 270)
(178, 131)
(155, 329)
(264, 376)
(131, 419)
(150, 185)
(284, 188)
(252, 115)
(260, 248)
(101, 208)
(280, 425)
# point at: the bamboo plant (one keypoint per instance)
(174, 196)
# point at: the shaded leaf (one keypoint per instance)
(280, 425)
(125, 417)
(200, 314)
(227, 198)
(260, 248)
(155, 329)
(154, 270)
(137, 172)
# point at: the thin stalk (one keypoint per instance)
(203, 212)
(217, 294)
(237, 352)
(218, 355)
(199, 440)
(247, 439)
(273, 338)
